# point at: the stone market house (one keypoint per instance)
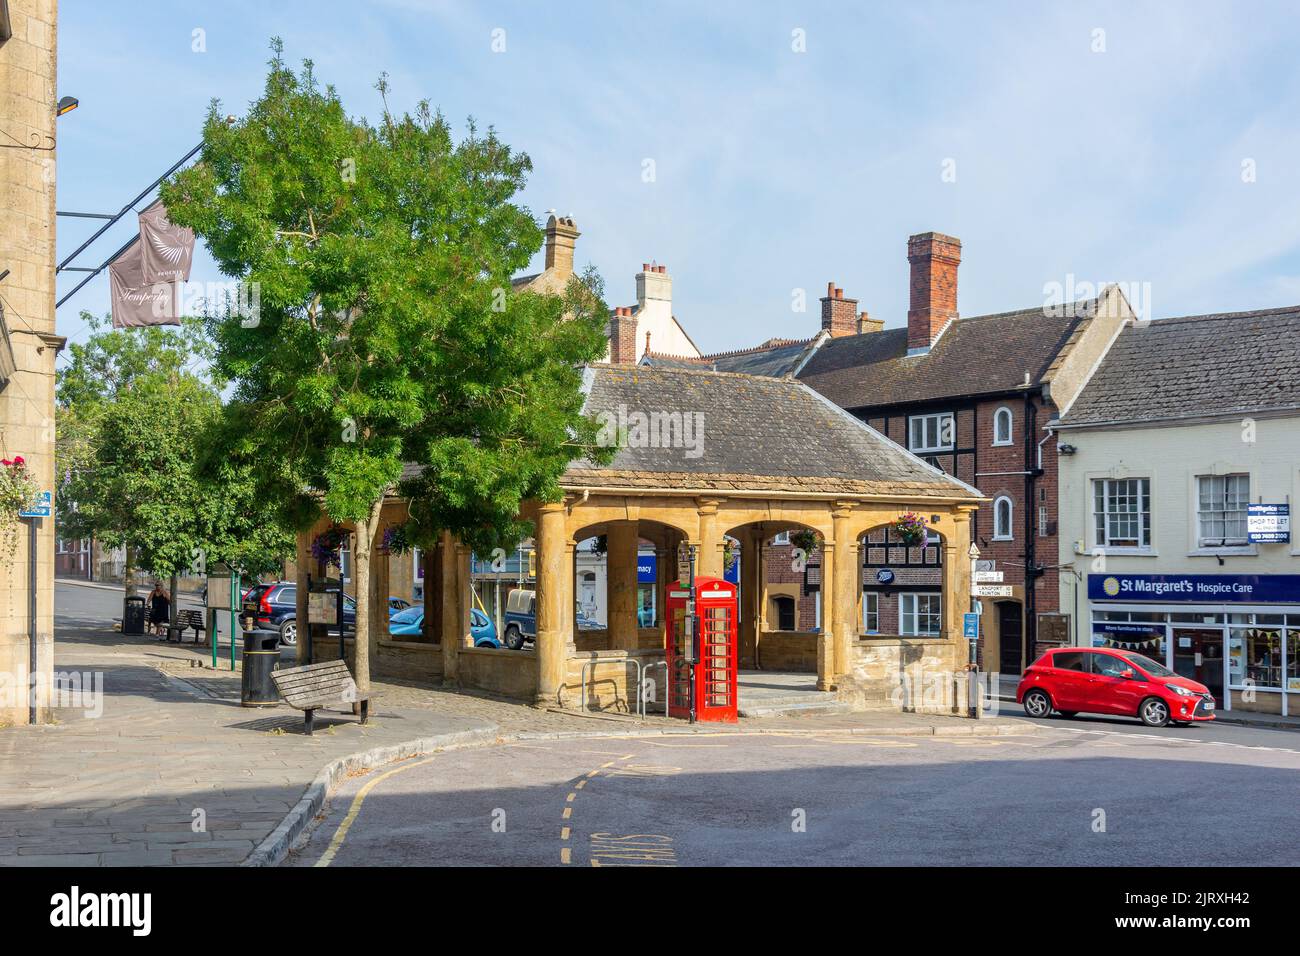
(969, 395)
(1187, 424)
(743, 458)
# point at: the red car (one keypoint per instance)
(1100, 681)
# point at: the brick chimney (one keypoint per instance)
(622, 336)
(839, 315)
(867, 324)
(934, 258)
(561, 236)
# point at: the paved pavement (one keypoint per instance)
(1065, 796)
(165, 768)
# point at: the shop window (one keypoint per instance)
(871, 612)
(1255, 657)
(1002, 514)
(927, 433)
(920, 615)
(1121, 510)
(1002, 426)
(1221, 510)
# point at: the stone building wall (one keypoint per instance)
(27, 180)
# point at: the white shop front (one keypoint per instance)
(1239, 634)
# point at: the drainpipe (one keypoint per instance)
(1030, 626)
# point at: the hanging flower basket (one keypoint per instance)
(397, 540)
(325, 547)
(806, 540)
(17, 491)
(910, 528)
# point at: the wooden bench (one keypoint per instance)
(185, 620)
(327, 685)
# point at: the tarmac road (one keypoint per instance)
(1073, 795)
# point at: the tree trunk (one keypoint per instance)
(128, 571)
(175, 585)
(363, 547)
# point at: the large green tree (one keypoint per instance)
(387, 331)
(136, 411)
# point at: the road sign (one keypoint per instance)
(991, 590)
(970, 626)
(988, 577)
(40, 508)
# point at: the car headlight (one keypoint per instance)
(1182, 691)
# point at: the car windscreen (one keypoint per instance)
(1148, 665)
(410, 615)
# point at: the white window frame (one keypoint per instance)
(345, 559)
(1209, 542)
(1100, 523)
(938, 418)
(1009, 534)
(782, 538)
(870, 610)
(1011, 427)
(910, 613)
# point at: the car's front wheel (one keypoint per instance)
(289, 633)
(1037, 703)
(514, 637)
(1154, 712)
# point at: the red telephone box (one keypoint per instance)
(711, 646)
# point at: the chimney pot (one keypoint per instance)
(561, 237)
(839, 315)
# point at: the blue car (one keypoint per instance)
(410, 623)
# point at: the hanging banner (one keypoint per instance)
(136, 302)
(168, 249)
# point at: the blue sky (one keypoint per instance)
(775, 170)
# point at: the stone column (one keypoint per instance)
(848, 588)
(956, 576)
(449, 629)
(552, 611)
(751, 596)
(826, 636)
(709, 562)
(620, 577)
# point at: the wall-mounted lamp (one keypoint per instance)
(66, 105)
(1065, 449)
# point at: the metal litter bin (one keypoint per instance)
(256, 688)
(133, 616)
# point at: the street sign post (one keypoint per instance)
(987, 577)
(972, 688)
(991, 590)
(33, 513)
